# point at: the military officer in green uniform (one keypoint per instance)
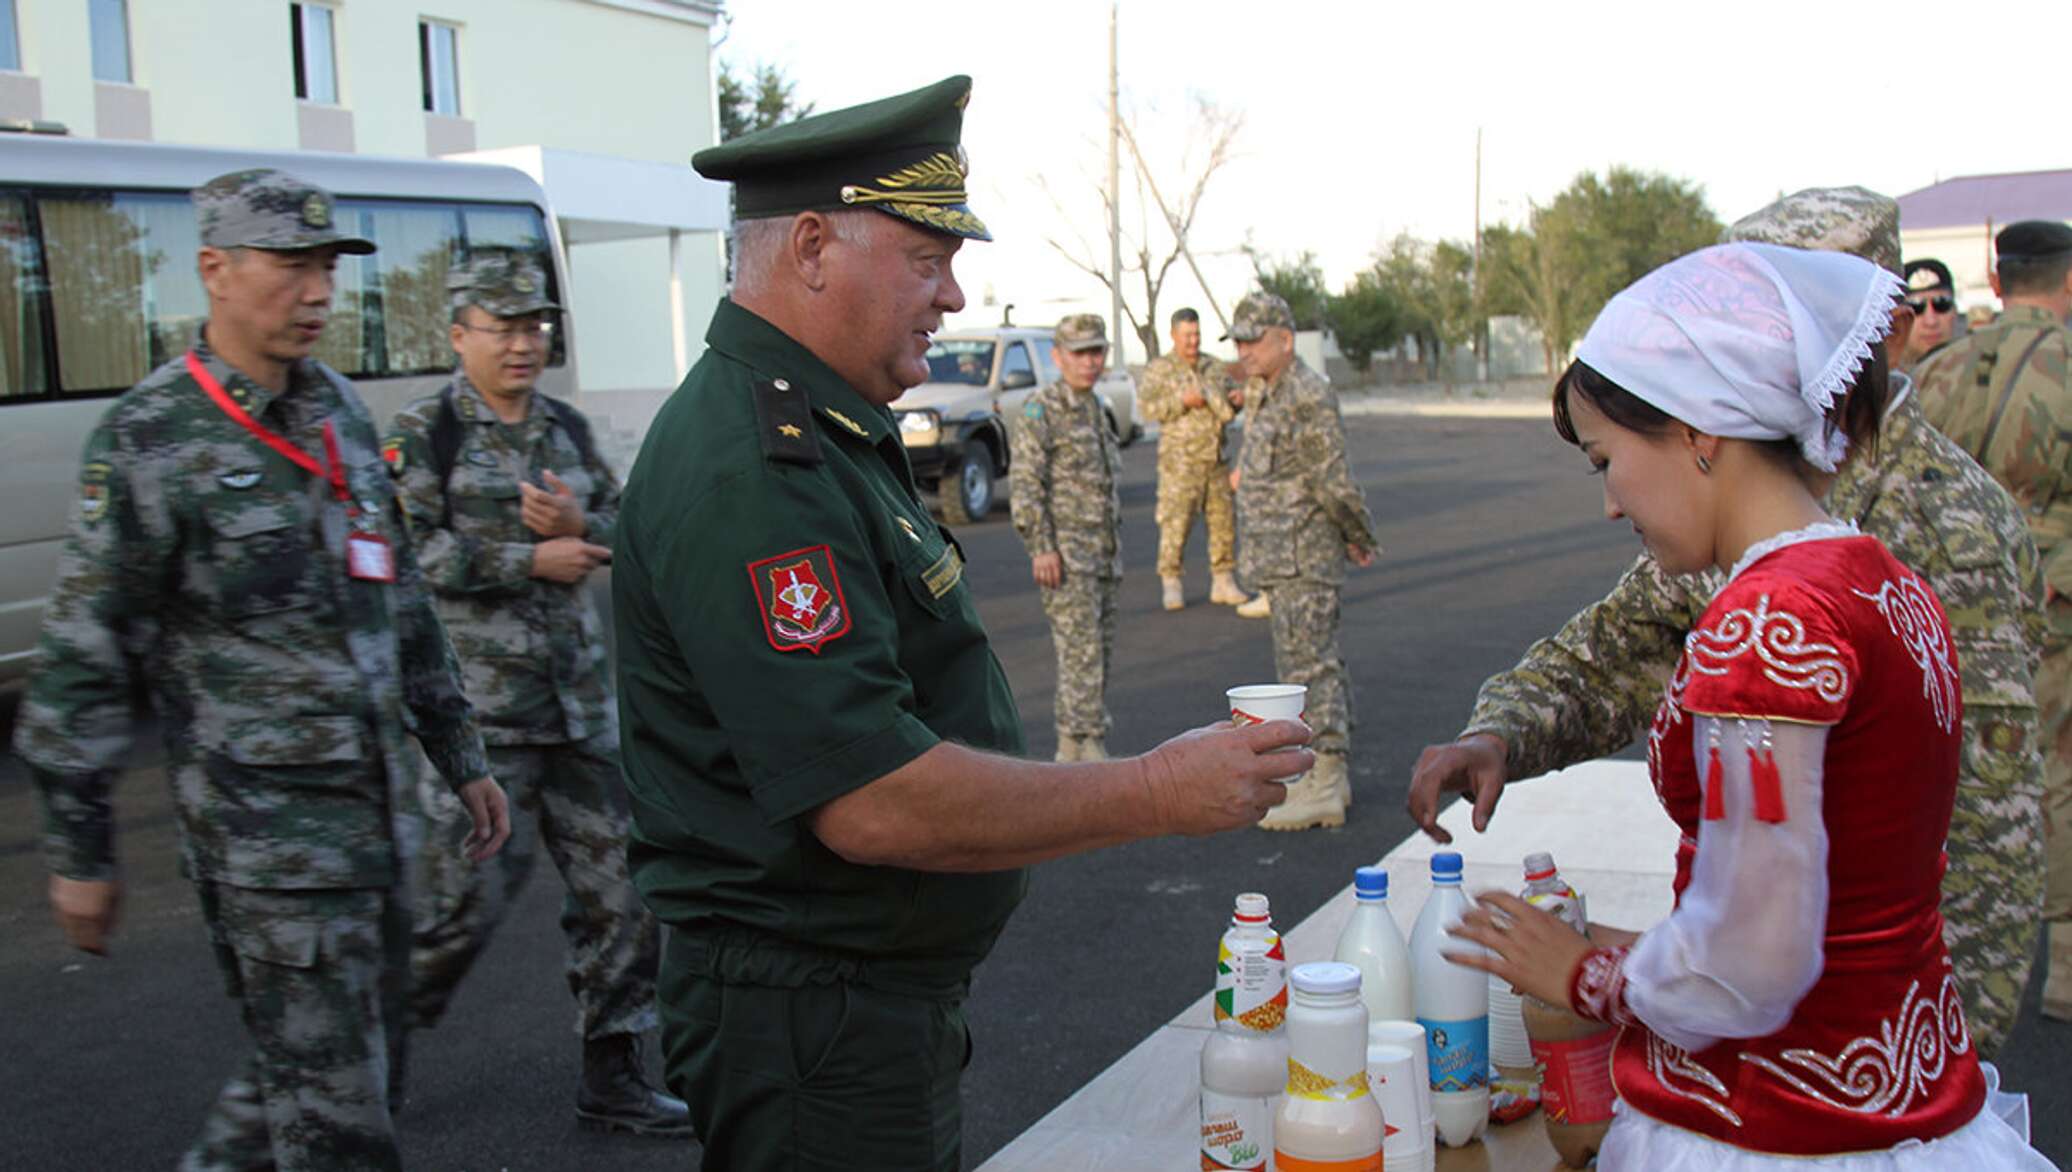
(2005, 393)
(829, 809)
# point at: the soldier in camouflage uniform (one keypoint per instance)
(235, 548)
(1302, 517)
(512, 509)
(2005, 393)
(1591, 689)
(1063, 481)
(1187, 392)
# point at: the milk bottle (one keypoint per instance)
(1244, 1063)
(1328, 1121)
(1452, 1004)
(1372, 942)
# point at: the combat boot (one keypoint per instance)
(1092, 749)
(1175, 598)
(1317, 798)
(615, 1094)
(1258, 608)
(1224, 590)
(1068, 749)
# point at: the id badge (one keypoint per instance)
(369, 557)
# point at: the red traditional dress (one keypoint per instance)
(1799, 1001)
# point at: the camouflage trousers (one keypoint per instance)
(1187, 487)
(1993, 890)
(572, 799)
(1305, 651)
(1082, 628)
(321, 976)
(2054, 704)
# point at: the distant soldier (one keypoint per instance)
(2004, 392)
(1189, 395)
(1063, 481)
(235, 549)
(1302, 516)
(512, 510)
(1932, 295)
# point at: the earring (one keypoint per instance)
(1704, 465)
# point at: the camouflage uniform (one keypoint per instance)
(1063, 481)
(212, 567)
(2004, 392)
(1192, 475)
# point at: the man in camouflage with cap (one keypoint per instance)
(1591, 689)
(1189, 395)
(512, 509)
(1932, 295)
(236, 549)
(2004, 392)
(1301, 518)
(1066, 507)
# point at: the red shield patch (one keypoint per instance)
(800, 597)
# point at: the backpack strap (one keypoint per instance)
(445, 440)
(578, 427)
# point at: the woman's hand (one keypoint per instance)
(1536, 950)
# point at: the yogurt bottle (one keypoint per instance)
(1452, 1004)
(1244, 1062)
(1328, 1120)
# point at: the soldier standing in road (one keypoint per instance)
(1591, 689)
(1063, 482)
(1186, 392)
(1302, 516)
(235, 549)
(2004, 392)
(512, 509)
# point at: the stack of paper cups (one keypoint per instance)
(1410, 1036)
(1508, 1045)
(1392, 1075)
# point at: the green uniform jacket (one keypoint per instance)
(1298, 504)
(211, 568)
(531, 651)
(1062, 479)
(793, 625)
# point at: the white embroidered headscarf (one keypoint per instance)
(1749, 341)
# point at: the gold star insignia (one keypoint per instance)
(790, 431)
(847, 422)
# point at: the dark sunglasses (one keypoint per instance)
(1942, 304)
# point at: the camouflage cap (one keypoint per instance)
(1854, 220)
(1081, 331)
(501, 284)
(1255, 314)
(272, 210)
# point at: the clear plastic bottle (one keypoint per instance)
(1514, 1078)
(1372, 942)
(1244, 1063)
(1453, 1006)
(1328, 1121)
(1572, 1055)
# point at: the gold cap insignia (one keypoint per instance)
(316, 210)
(789, 431)
(522, 283)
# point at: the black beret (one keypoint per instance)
(2033, 240)
(1926, 276)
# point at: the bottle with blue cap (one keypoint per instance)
(1452, 1003)
(1374, 944)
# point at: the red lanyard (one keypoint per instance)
(333, 468)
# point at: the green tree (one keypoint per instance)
(764, 99)
(1299, 282)
(1366, 319)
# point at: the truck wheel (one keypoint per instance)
(967, 487)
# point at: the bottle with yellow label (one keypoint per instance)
(1244, 1062)
(1328, 1121)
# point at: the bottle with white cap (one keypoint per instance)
(1372, 942)
(1453, 1006)
(1244, 1062)
(1514, 1086)
(1328, 1121)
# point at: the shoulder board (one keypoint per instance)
(784, 423)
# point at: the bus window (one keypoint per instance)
(124, 296)
(23, 370)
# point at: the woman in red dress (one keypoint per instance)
(1797, 1007)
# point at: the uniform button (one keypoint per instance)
(781, 384)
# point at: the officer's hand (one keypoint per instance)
(1192, 398)
(491, 816)
(1048, 569)
(567, 560)
(85, 910)
(1237, 397)
(1361, 556)
(553, 511)
(1473, 765)
(1221, 778)
(1235, 473)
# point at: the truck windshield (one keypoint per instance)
(957, 361)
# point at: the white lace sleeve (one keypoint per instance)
(1744, 945)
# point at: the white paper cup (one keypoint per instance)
(1393, 1080)
(1410, 1036)
(1259, 703)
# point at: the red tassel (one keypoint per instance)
(1715, 787)
(1769, 787)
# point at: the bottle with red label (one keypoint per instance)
(1574, 1055)
(1244, 1062)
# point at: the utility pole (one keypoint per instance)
(1115, 183)
(1481, 324)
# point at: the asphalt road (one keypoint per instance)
(1493, 536)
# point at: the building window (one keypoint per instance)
(110, 24)
(316, 61)
(10, 41)
(438, 52)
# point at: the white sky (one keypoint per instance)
(1360, 117)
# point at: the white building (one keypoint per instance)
(602, 101)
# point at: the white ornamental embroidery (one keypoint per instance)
(1667, 1062)
(1890, 1072)
(1778, 639)
(1910, 611)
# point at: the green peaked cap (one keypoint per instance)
(900, 155)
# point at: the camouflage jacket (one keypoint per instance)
(532, 652)
(1188, 434)
(1298, 505)
(1062, 477)
(210, 568)
(1591, 689)
(2004, 392)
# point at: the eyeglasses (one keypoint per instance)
(505, 335)
(1942, 304)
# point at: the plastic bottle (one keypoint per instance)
(1372, 942)
(1453, 1006)
(1545, 888)
(1574, 1055)
(1244, 1063)
(1514, 1075)
(1328, 1121)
